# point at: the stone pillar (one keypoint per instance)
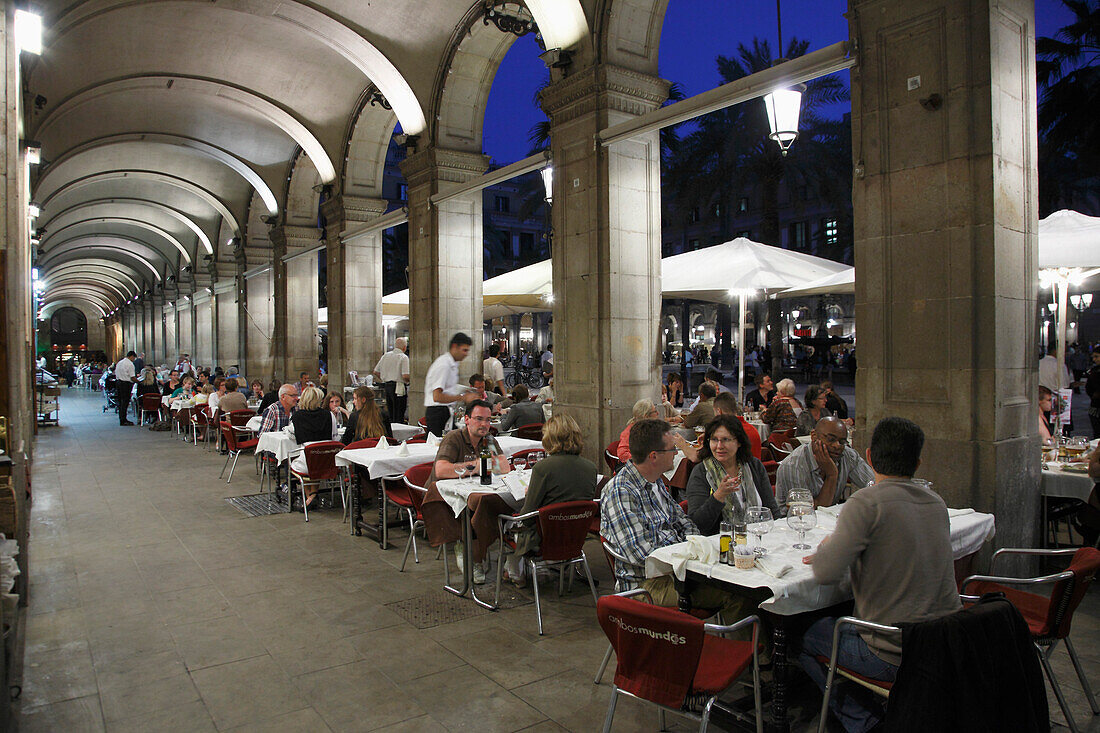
(226, 325)
(171, 340)
(186, 332)
(513, 334)
(945, 243)
(607, 249)
(354, 288)
(445, 263)
(259, 325)
(295, 300)
(204, 329)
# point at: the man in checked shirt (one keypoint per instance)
(638, 516)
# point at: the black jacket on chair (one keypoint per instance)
(975, 670)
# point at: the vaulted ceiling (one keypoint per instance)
(166, 126)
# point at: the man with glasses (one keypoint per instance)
(638, 516)
(825, 466)
(463, 448)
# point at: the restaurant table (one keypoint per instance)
(253, 423)
(380, 462)
(796, 592)
(512, 488)
(401, 431)
(1056, 481)
(761, 427)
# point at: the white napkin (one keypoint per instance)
(773, 567)
(402, 450)
(697, 547)
(959, 512)
(383, 444)
(433, 439)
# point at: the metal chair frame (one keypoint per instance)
(712, 701)
(414, 522)
(303, 479)
(1046, 645)
(834, 669)
(143, 410)
(234, 451)
(506, 522)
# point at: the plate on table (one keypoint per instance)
(1075, 468)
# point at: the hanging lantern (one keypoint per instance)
(784, 107)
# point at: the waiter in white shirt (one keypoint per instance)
(441, 385)
(494, 372)
(392, 370)
(125, 376)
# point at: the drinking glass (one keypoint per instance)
(759, 521)
(801, 518)
(519, 463)
(460, 471)
(799, 496)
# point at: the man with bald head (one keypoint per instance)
(825, 466)
(392, 370)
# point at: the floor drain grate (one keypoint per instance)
(440, 607)
(257, 505)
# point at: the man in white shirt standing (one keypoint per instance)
(441, 385)
(494, 371)
(125, 376)
(392, 370)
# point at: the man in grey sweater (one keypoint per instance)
(896, 539)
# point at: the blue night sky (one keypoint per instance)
(694, 33)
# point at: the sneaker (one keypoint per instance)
(458, 556)
(479, 574)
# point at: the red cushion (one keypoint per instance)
(1033, 607)
(250, 443)
(722, 662)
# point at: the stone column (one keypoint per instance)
(607, 249)
(171, 342)
(259, 325)
(204, 329)
(295, 300)
(226, 325)
(354, 288)
(445, 263)
(186, 331)
(944, 147)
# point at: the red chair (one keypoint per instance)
(772, 467)
(200, 423)
(408, 497)
(532, 431)
(675, 661)
(183, 421)
(563, 528)
(361, 444)
(611, 457)
(321, 471)
(879, 687)
(235, 446)
(1048, 618)
(150, 403)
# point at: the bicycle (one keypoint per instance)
(531, 376)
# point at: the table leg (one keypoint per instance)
(778, 722)
(383, 525)
(467, 565)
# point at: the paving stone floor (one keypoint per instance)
(156, 606)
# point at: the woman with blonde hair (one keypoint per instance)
(643, 410)
(782, 413)
(310, 422)
(564, 475)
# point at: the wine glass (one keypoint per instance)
(801, 518)
(759, 522)
(519, 463)
(799, 496)
(460, 471)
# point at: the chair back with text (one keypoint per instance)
(239, 418)
(321, 459)
(564, 527)
(150, 402)
(657, 648)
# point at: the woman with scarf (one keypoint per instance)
(728, 479)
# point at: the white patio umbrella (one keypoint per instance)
(529, 289)
(396, 304)
(740, 268)
(843, 282)
(1069, 254)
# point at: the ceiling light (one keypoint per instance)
(784, 107)
(34, 153)
(28, 31)
(33, 210)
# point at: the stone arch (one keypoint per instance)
(146, 203)
(367, 142)
(302, 200)
(630, 33)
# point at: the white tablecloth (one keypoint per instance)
(386, 462)
(512, 488)
(402, 431)
(279, 443)
(797, 591)
(761, 428)
(1056, 482)
(253, 423)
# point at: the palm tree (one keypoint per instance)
(729, 152)
(1068, 75)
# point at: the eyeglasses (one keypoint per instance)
(833, 440)
(478, 419)
(723, 441)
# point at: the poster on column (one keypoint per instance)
(1065, 414)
